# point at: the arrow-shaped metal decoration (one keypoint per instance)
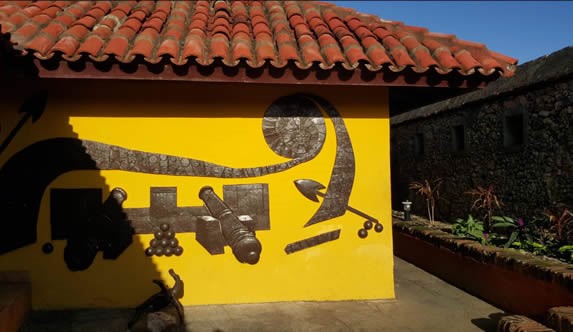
(311, 190)
(32, 108)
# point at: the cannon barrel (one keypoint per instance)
(246, 247)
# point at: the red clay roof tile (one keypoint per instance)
(145, 42)
(168, 47)
(310, 50)
(91, 45)
(305, 33)
(67, 45)
(219, 47)
(193, 47)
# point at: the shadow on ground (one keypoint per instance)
(489, 324)
(424, 303)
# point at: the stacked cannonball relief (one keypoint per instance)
(164, 243)
(368, 224)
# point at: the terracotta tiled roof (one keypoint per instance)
(304, 33)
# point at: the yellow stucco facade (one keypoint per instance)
(221, 124)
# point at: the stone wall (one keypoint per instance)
(527, 177)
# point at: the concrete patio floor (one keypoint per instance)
(424, 303)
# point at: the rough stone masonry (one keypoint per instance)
(516, 134)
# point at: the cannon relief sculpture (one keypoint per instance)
(242, 240)
(293, 127)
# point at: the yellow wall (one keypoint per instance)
(220, 123)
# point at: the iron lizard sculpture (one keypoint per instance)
(161, 300)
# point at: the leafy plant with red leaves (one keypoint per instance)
(561, 219)
(430, 190)
(486, 201)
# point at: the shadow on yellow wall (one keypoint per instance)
(60, 260)
(219, 123)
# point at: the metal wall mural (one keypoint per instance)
(312, 241)
(244, 199)
(342, 176)
(76, 215)
(293, 127)
(246, 247)
(311, 190)
(164, 243)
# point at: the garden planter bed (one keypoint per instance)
(515, 281)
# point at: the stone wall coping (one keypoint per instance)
(548, 68)
(539, 267)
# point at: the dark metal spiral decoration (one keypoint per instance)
(294, 128)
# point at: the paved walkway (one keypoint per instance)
(424, 303)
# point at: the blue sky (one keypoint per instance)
(522, 29)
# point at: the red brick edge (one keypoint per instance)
(514, 281)
(560, 319)
(15, 304)
(517, 323)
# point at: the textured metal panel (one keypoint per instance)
(294, 128)
(184, 220)
(312, 241)
(209, 235)
(251, 200)
(163, 202)
(245, 199)
(246, 247)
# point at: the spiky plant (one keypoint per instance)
(485, 199)
(430, 191)
(561, 219)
